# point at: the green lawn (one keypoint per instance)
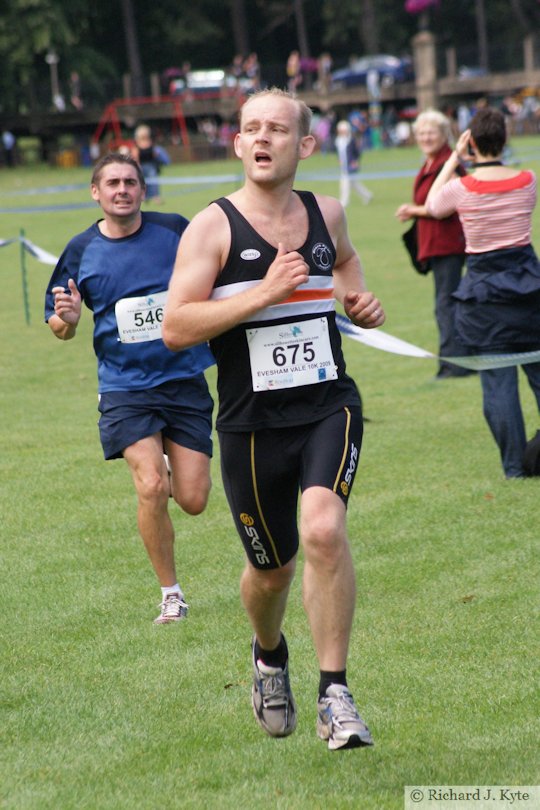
(102, 710)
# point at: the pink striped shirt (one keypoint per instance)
(494, 214)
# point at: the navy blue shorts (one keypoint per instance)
(264, 471)
(181, 410)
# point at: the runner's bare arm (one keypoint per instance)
(360, 305)
(190, 316)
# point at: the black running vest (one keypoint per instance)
(240, 408)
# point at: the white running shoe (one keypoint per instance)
(339, 722)
(173, 608)
(272, 700)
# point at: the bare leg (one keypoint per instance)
(329, 586)
(190, 477)
(362, 190)
(264, 596)
(149, 473)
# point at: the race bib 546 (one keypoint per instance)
(139, 319)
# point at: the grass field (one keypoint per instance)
(102, 710)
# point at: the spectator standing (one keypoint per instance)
(498, 309)
(359, 122)
(463, 117)
(236, 71)
(294, 71)
(322, 130)
(324, 72)
(75, 90)
(150, 159)
(9, 143)
(441, 243)
(252, 72)
(389, 122)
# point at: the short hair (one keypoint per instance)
(343, 127)
(116, 157)
(142, 131)
(488, 129)
(305, 114)
(437, 119)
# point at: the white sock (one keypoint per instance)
(169, 589)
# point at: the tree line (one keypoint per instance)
(102, 40)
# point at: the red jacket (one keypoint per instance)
(436, 237)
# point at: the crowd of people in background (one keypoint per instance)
(347, 135)
(385, 124)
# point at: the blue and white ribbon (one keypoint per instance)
(375, 338)
(378, 339)
(38, 253)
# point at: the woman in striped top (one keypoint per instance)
(498, 300)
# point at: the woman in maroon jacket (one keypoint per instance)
(441, 244)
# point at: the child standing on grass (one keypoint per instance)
(349, 153)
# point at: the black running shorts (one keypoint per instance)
(264, 471)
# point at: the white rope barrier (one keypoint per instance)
(375, 338)
(35, 251)
(378, 339)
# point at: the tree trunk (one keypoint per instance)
(132, 47)
(483, 56)
(517, 8)
(240, 27)
(369, 31)
(301, 28)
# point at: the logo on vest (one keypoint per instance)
(322, 256)
(250, 254)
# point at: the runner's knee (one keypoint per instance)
(273, 580)
(322, 536)
(192, 499)
(152, 487)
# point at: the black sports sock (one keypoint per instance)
(273, 658)
(326, 678)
